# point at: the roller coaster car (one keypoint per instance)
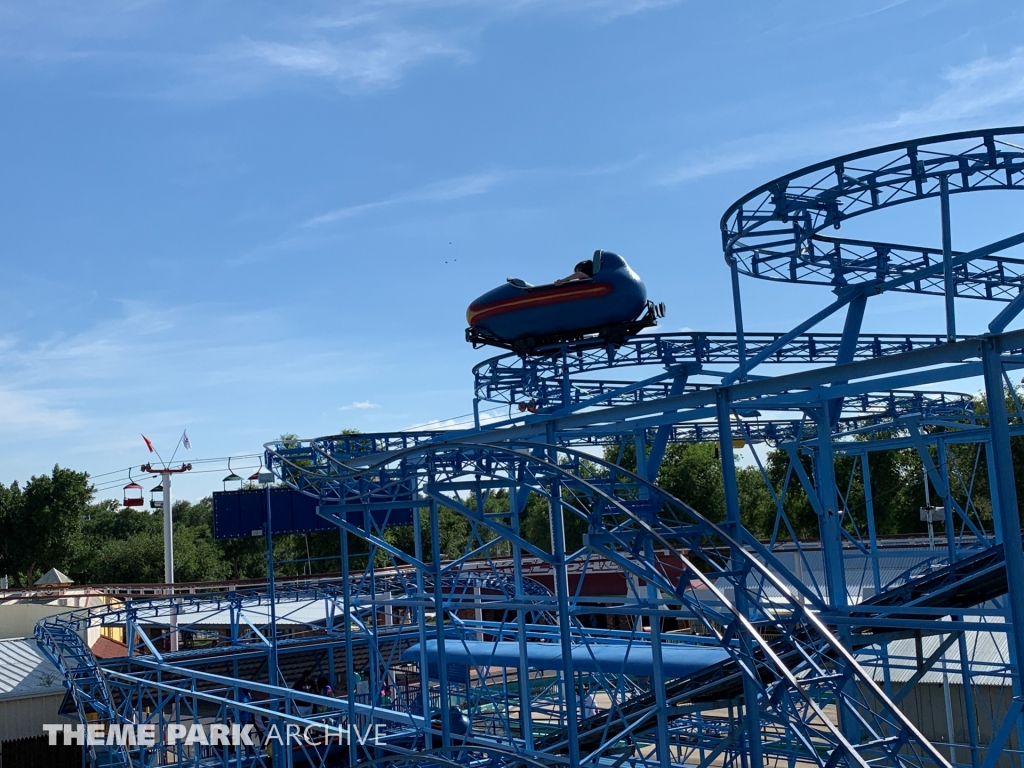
(605, 308)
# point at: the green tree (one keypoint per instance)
(40, 525)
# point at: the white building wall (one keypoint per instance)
(24, 718)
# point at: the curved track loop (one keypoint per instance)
(326, 455)
(725, 579)
(773, 232)
(510, 379)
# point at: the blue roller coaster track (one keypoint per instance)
(725, 649)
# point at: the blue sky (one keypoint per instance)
(250, 218)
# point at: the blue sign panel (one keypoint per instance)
(244, 513)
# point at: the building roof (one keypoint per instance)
(289, 610)
(987, 652)
(53, 576)
(25, 671)
(105, 648)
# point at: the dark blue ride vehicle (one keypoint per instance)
(607, 306)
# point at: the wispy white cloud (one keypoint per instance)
(614, 9)
(377, 59)
(368, 45)
(343, 20)
(148, 354)
(985, 92)
(437, 192)
(600, 10)
(359, 405)
(988, 87)
(36, 411)
(712, 164)
(473, 184)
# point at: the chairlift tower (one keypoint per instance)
(165, 503)
(166, 472)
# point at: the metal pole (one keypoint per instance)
(751, 707)
(737, 308)
(947, 260)
(949, 709)
(439, 623)
(561, 577)
(830, 526)
(165, 478)
(657, 682)
(928, 507)
(350, 671)
(272, 673)
(965, 659)
(1004, 506)
(848, 347)
(420, 617)
(660, 442)
(523, 672)
(1005, 514)
(876, 571)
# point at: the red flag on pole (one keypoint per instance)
(149, 443)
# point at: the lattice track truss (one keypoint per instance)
(801, 642)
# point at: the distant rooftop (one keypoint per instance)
(53, 576)
(25, 671)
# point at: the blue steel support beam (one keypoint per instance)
(1006, 514)
(664, 756)
(640, 447)
(350, 693)
(561, 576)
(949, 285)
(660, 442)
(876, 574)
(439, 608)
(1010, 311)
(420, 617)
(523, 670)
(829, 515)
(869, 513)
(273, 671)
(964, 656)
(737, 308)
(848, 347)
(786, 338)
(751, 707)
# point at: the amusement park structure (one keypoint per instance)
(724, 649)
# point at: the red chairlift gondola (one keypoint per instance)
(133, 495)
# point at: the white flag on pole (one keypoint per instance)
(185, 441)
